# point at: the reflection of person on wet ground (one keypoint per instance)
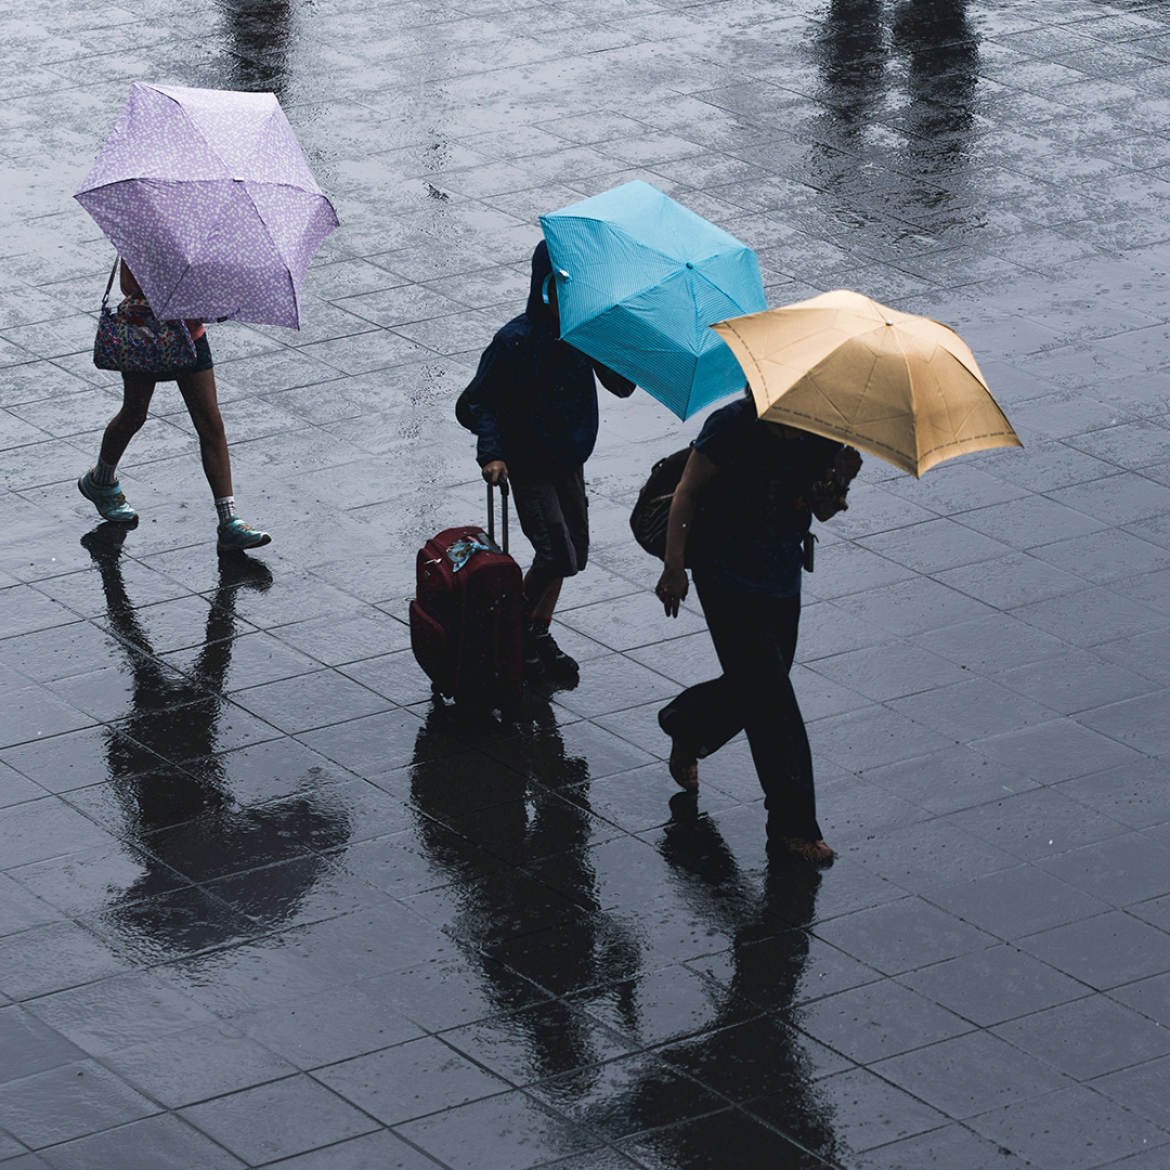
(768, 957)
(165, 771)
(541, 825)
(759, 484)
(533, 405)
(100, 483)
(260, 42)
(858, 65)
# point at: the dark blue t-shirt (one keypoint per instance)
(755, 511)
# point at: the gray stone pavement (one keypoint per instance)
(262, 903)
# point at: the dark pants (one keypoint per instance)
(755, 638)
(554, 515)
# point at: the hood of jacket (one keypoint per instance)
(536, 308)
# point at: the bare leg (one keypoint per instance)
(199, 394)
(543, 604)
(136, 396)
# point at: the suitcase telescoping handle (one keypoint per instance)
(491, 509)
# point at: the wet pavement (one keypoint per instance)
(262, 902)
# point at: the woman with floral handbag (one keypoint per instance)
(148, 351)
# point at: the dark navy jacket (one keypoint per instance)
(533, 401)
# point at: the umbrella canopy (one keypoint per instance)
(208, 196)
(639, 279)
(903, 388)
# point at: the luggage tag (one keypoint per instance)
(462, 550)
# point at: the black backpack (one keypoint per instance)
(651, 512)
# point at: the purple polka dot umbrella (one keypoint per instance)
(209, 197)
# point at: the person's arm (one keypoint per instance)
(673, 585)
(835, 484)
(480, 405)
(126, 280)
(613, 381)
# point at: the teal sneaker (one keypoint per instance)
(107, 498)
(235, 535)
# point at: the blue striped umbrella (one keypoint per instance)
(639, 281)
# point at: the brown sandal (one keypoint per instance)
(683, 767)
(808, 849)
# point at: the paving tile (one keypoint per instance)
(1120, 871)
(539, 1042)
(946, 781)
(932, 853)
(888, 671)
(510, 1130)
(1013, 902)
(1140, 801)
(1087, 1037)
(1090, 617)
(114, 1013)
(972, 709)
(1104, 952)
(971, 1074)
(1058, 750)
(902, 936)
(155, 1143)
(374, 1151)
(69, 1101)
(1038, 823)
(415, 1079)
(1075, 1128)
(871, 737)
(20, 909)
(626, 1096)
(276, 1120)
(1137, 722)
(990, 644)
(877, 1020)
(635, 1010)
(859, 1111)
(52, 958)
(1037, 520)
(1074, 682)
(703, 1142)
(913, 607)
(30, 1046)
(953, 1146)
(993, 985)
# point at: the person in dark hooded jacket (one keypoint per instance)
(533, 405)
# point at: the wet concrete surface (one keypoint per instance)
(262, 902)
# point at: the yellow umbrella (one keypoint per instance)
(903, 388)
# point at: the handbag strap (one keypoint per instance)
(109, 284)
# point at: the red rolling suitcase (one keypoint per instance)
(465, 620)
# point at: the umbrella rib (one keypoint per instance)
(913, 393)
(195, 129)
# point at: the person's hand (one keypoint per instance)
(672, 588)
(495, 472)
(847, 465)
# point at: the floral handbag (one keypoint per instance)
(131, 339)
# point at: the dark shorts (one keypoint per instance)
(202, 362)
(554, 515)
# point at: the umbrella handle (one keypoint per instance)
(491, 511)
(110, 282)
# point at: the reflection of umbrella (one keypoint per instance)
(208, 196)
(903, 388)
(639, 279)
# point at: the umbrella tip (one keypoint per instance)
(888, 321)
